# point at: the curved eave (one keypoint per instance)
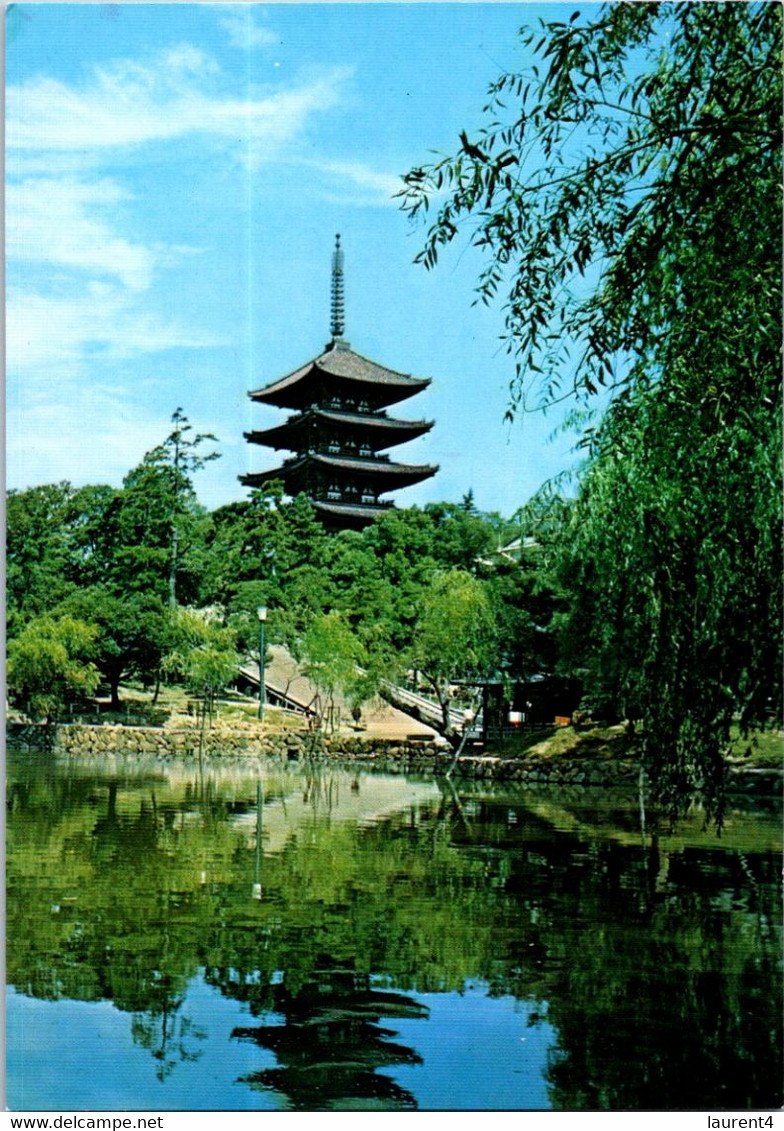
(259, 478)
(343, 366)
(383, 474)
(379, 431)
(375, 423)
(358, 466)
(350, 511)
(285, 392)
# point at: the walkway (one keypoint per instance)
(398, 718)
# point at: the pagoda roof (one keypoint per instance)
(362, 463)
(384, 472)
(383, 431)
(344, 366)
(349, 513)
(395, 474)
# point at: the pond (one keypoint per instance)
(278, 938)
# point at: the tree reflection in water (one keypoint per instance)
(167, 1034)
(656, 964)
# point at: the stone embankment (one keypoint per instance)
(79, 739)
(384, 755)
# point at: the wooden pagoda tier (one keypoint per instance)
(331, 431)
(340, 428)
(348, 516)
(371, 476)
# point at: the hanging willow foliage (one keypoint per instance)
(625, 191)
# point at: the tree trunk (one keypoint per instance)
(114, 685)
(173, 567)
(113, 675)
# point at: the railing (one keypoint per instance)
(348, 453)
(422, 707)
(351, 500)
(495, 732)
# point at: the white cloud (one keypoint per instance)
(379, 187)
(187, 58)
(73, 221)
(62, 422)
(244, 32)
(69, 339)
(62, 222)
(362, 175)
(47, 441)
(131, 104)
(35, 163)
(53, 337)
(47, 436)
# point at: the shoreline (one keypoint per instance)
(383, 755)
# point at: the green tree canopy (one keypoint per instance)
(201, 650)
(455, 635)
(267, 551)
(49, 665)
(131, 633)
(157, 525)
(627, 198)
(333, 656)
(56, 541)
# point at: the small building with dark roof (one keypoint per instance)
(340, 428)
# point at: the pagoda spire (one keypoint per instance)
(337, 319)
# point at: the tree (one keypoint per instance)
(180, 453)
(131, 633)
(89, 532)
(672, 573)
(333, 657)
(454, 636)
(49, 665)
(627, 200)
(461, 534)
(360, 590)
(36, 550)
(604, 200)
(242, 545)
(156, 520)
(402, 546)
(56, 541)
(141, 525)
(526, 592)
(267, 551)
(201, 651)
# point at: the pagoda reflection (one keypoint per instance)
(331, 1045)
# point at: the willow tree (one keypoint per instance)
(454, 638)
(625, 192)
(50, 665)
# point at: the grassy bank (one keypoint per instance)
(760, 749)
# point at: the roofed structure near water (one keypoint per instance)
(340, 428)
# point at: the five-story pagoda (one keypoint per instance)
(340, 428)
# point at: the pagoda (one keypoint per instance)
(340, 429)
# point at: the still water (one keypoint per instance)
(186, 938)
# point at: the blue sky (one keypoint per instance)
(175, 176)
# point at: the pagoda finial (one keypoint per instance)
(337, 320)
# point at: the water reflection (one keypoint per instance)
(330, 1045)
(167, 1034)
(325, 905)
